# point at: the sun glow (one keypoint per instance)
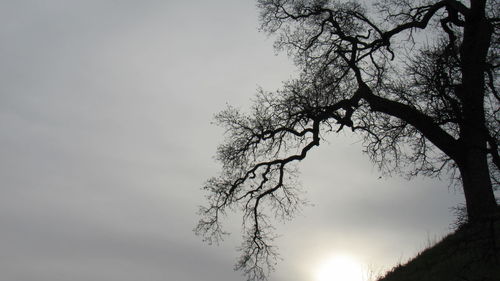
(339, 268)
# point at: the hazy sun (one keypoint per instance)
(339, 268)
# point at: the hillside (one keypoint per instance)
(472, 253)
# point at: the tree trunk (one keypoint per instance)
(473, 165)
(479, 196)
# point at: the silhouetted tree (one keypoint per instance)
(416, 79)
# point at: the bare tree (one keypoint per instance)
(415, 79)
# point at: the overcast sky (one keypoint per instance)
(106, 139)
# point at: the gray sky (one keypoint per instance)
(105, 141)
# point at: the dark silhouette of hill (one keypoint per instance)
(471, 253)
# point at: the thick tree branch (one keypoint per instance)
(420, 121)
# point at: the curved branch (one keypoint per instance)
(417, 119)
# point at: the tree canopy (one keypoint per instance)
(416, 80)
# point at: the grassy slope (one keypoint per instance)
(471, 253)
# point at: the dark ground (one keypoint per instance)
(471, 253)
